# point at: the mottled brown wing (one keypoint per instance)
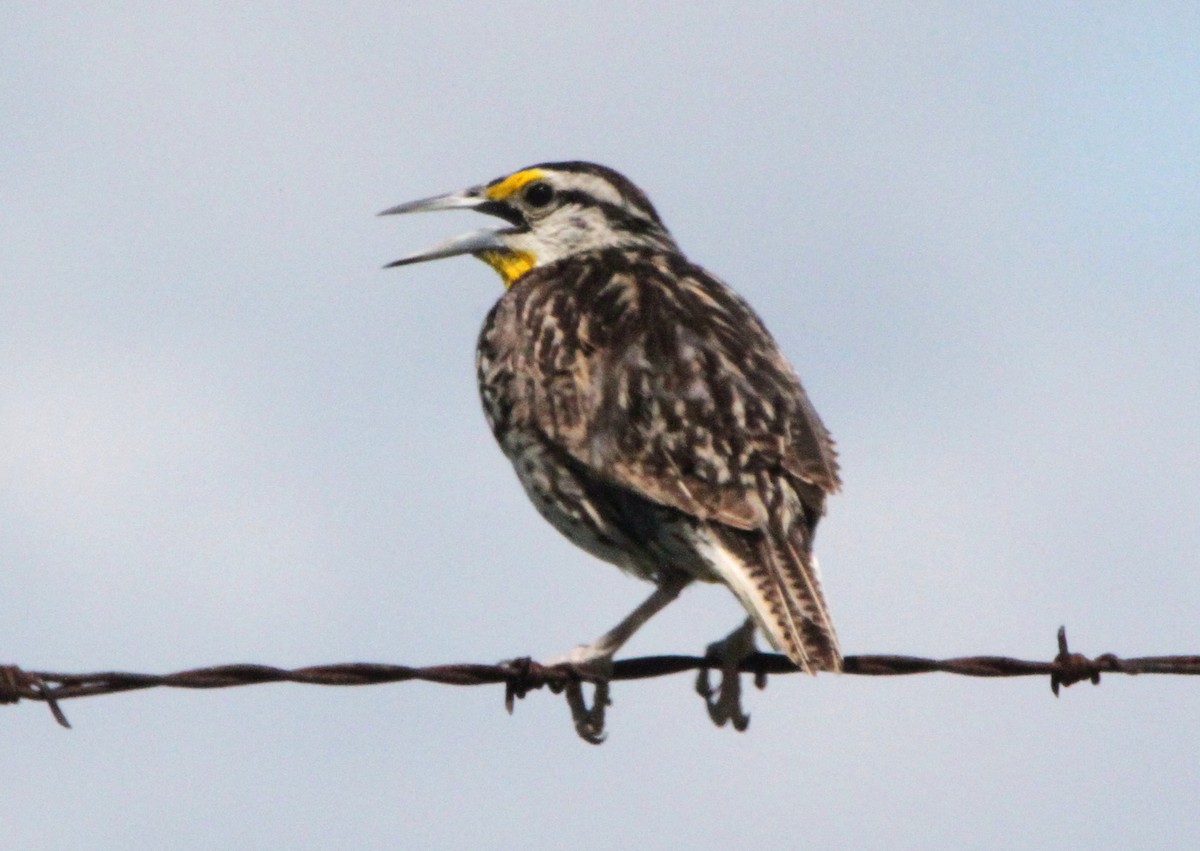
(676, 391)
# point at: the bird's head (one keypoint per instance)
(555, 210)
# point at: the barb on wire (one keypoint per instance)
(520, 676)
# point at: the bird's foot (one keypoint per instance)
(725, 701)
(586, 663)
(591, 662)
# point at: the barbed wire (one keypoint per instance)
(520, 676)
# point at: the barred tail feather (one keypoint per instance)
(775, 577)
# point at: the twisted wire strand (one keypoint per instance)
(521, 676)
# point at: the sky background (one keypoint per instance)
(227, 436)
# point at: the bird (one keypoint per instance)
(650, 416)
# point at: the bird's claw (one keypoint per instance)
(586, 664)
(589, 721)
(725, 701)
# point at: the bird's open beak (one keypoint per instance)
(469, 243)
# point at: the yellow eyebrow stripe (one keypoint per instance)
(501, 189)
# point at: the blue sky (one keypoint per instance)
(226, 435)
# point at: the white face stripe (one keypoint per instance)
(590, 184)
(568, 230)
(596, 187)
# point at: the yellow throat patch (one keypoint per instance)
(509, 264)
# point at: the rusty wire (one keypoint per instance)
(521, 676)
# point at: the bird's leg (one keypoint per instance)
(594, 662)
(730, 651)
(595, 659)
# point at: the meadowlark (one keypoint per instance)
(650, 416)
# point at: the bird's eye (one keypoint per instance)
(539, 194)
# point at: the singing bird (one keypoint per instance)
(650, 416)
